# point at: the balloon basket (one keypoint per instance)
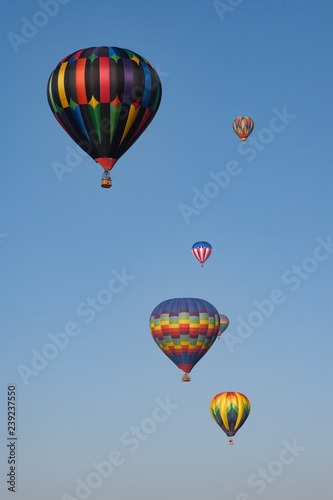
(186, 378)
(106, 180)
(231, 441)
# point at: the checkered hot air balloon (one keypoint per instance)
(230, 410)
(185, 329)
(243, 126)
(201, 251)
(104, 98)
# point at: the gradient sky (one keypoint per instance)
(270, 225)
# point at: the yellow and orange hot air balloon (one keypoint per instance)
(243, 126)
(230, 410)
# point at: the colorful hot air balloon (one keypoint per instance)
(201, 251)
(104, 97)
(230, 410)
(185, 329)
(224, 323)
(243, 127)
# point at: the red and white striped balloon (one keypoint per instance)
(202, 251)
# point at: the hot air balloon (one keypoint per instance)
(201, 251)
(243, 127)
(185, 329)
(104, 98)
(230, 410)
(224, 323)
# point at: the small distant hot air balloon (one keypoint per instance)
(243, 126)
(201, 251)
(104, 98)
(230, 410)
(224, 323)
(185, 329)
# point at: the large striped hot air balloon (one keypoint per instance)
(243, 126)
(185, 329)
(104, 98)
(230, 410)
(202, 251)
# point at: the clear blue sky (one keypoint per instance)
(269, 222)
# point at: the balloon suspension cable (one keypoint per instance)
(106, 174)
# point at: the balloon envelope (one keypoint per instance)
(185, 329)
(230, 410)
(202, 250)
(104, 98)
(224, 323)
(243, 126)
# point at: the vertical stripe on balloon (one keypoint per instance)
(128, 81)
(50, 95)
(61, 85)
(147, 90)
(104, 78)
(80, 81)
